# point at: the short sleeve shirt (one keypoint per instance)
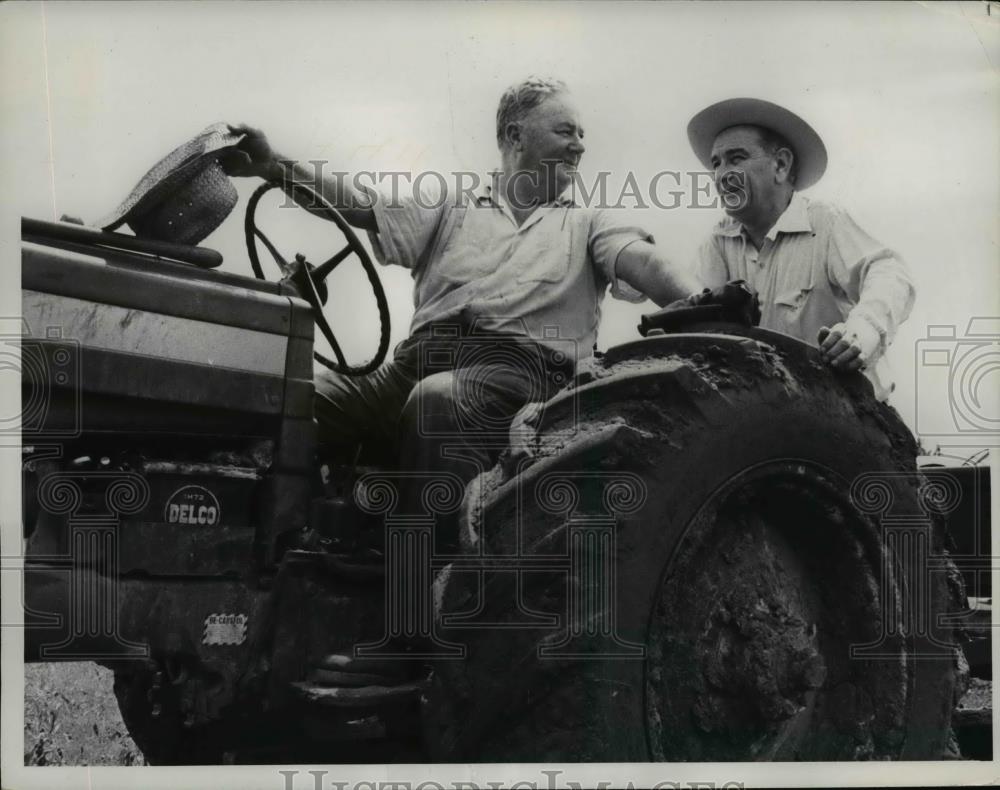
(545, 278)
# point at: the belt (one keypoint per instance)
(443, 346)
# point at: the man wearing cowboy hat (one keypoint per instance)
(819, 276)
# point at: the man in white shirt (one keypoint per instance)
(819, 276)
(519, 262)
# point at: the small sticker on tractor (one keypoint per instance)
(225, 629)
(192, 505)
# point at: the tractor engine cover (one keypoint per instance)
(125, 343)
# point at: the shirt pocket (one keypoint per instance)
(794, 294)
(795, 285)
(470, 251)
(545, 256)
(794, 299)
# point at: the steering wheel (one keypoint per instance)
(309, 280)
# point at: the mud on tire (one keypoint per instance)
(690, 559)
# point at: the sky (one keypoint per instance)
(905, 96)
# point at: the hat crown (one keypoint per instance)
(184, 196)
(191, 211)
(810, 152)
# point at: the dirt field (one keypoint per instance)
(71, 717)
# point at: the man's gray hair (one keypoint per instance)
(518, 99)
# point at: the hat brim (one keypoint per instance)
(177, 166)
(810, 153)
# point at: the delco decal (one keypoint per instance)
(225, 629)
(192, 505)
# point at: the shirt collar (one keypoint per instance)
(794, 219)
(488, 194)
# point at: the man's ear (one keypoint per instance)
(783, 161)
(513, 136)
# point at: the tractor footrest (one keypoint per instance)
(358, 697)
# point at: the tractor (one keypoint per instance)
(707, 546)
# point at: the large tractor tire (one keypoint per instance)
(710, 548)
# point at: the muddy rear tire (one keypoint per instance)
(704, 517)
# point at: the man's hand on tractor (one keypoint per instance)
(735, 302)
(736, 296)
(254, 155)
(848, 345)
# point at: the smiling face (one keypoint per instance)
(549, 142)
(752, 180)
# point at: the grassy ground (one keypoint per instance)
(71, 717)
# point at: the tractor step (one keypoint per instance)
(358, 697)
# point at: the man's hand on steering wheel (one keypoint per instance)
(252, 157)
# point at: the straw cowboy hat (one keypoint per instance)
(810, 153)
(186, 195)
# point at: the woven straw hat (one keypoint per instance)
(184, 196)
(810, 153)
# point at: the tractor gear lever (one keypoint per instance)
(296, 274)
